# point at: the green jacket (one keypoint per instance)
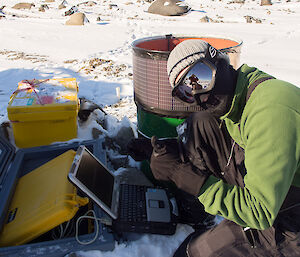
(268, 128)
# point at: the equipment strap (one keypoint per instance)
(254, 85)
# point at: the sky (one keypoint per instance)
(39, 45)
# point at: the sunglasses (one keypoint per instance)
(197, 79)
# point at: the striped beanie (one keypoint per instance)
(188, 52)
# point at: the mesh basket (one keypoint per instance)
(152, 90)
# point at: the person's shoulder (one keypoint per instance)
(248, 75)
(272, 87)
(283, 91)
(245, 68)
(276, 92)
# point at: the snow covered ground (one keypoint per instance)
(38, 45)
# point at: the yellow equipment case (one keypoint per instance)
(44, 199)
(16, 165)
(44, 111)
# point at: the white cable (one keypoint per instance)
(65, 229)
(96, 224)
(71, 229)
(97, 228)
(231, 153)
(62, 231)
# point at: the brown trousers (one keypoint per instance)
(206, 141)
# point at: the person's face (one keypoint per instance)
(219, 99)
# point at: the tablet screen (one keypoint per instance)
(96, 178)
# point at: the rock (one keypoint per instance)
(258, 20)
(87, 107)
(77, 19)
(237, 2)
(112, 6)
(49, 1)
(265, 2)
(205, 19)
(90, 3)
(23, 6)
(169, 7)
(124, 135)
(98, 18)
(63, 5)
(45, 6)
(249, 19)
(96, 133)
(208, 19)
(71, 11)
(2, 14)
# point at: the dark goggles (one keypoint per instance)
(197, 79)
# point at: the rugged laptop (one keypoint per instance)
(133, 208)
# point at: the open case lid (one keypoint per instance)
(17, 162)
(7, 152)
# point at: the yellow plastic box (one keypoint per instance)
(44, 199)
(44, 111)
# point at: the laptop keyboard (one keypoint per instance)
(133, 203)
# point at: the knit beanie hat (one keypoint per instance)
(188, 52)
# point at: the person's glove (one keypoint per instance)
(166, 164)
(139, 149)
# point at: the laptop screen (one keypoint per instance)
(96, 178)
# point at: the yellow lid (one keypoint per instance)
(44, 96)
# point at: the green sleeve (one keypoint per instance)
(271, 160)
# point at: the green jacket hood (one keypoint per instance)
(246, 76)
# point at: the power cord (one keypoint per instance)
(104, 221)
(63, 230)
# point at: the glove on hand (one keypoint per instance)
(139, 149)
(166, 165)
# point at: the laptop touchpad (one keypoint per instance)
(158, 208)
